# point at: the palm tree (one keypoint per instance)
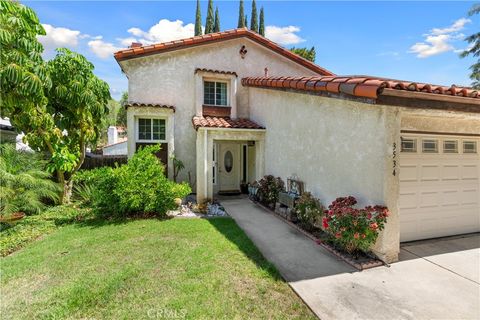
(474, 50)
(24, 184)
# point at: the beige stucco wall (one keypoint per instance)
(169, 78)
(436, 121)
(337, 147)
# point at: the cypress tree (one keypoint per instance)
(209, 22)
(261, 28)
(216, 27)
(245, 23)
(241, 16)
(198, 20)
(254, 18)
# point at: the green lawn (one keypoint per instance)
(145, 269)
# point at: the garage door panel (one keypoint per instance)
(430, 172)
(470, 172)
(439, 193)
(451, 172)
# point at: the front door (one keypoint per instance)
(229, 166)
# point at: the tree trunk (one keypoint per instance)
(67, 191)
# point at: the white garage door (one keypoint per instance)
(439, 186)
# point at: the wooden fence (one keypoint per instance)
(97, 160)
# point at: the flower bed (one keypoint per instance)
(356, 258)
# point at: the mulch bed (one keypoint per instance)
(361, 262)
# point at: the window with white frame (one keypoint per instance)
(409, 145)
(450, 146)
(469, 147)
(215, 93)
(430, 146)
(151, 129)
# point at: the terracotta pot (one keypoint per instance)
(13, 217)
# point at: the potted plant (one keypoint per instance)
(244, 187)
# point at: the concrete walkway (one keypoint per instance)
(295, 256)
(433, 280)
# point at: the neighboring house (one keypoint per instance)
(9, 134)
(234, 106)
(116, 143)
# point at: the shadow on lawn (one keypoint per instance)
(229, 228)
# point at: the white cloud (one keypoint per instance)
(439, 40)
(102, 49)
(455, 27)
(165, 30)
(58, 37)
(283, 35)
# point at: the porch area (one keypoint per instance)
(229, 153)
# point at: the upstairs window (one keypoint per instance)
(215, 93)
(151, 129)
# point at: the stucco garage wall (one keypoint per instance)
(441, 122)
(168, 78)
(336, 147)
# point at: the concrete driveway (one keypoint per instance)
(435, 279)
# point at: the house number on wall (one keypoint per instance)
(394, 158)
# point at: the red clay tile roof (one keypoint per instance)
(216, 71)
(220, 122)
(357, 86)
(151, 105)
(214, 37)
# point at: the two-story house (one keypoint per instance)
(233, 106)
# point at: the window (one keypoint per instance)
(409, 145)
(469, 147)
(430, 146)
(215, 93)
(151, 129)
(450, 146)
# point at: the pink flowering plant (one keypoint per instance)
(354, 229)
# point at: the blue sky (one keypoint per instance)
(407, 40)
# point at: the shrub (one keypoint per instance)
(354, 229)
(268, 189)
(139, 187)
(25, 186)
(309, 210)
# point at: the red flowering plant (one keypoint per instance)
(353, 229)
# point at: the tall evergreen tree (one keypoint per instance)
(254, 18)
(241, 16)
(198, 20)
(245, 23)
(216, 27)
(261, 28)
(474, 50)
(308, 54)
(209, 24)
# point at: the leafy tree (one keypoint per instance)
(23, 74)
(198, 20)
(209, 24)
(261, 28)
(24, 183)
(122, 112)
(308, 54)
(254, 18)
(241, 16)
(245, 23)
(71, 119)
(216, 27)
(474, 50)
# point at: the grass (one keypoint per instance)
(144, 269)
